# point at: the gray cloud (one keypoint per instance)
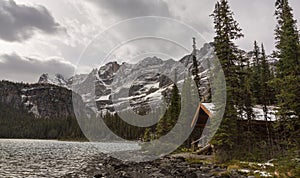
(116, 10)
(19, 22)
(133, 8)
(90, 17)
(256, 18)
(18, 68)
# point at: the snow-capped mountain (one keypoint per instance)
(141, 86)
(251, 56)
(57, 79)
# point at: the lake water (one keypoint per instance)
(50, 158)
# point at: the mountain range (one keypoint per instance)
(113, 86)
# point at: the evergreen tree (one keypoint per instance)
(245, 98)
(287, 81)
(245, 104)
(169, 119)
(167, 122)
(227, 30)
(195, 69)
(287, 40)
(174, 107)
(267, 92)
(255, 81)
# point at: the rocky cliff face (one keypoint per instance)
(42, 100)
(10, 94)
(139, 87)
(57, 79)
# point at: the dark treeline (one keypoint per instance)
(166, 122)
(18, 123)
(121, 128)
(56, 119)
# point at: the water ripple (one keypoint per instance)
(50, 158)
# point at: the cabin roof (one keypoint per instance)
(206, 107)
(258, 112)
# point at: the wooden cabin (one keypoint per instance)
(201, 118)
(205, 111)
(202, 115)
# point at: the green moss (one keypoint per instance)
(288, 167)
(199, 161)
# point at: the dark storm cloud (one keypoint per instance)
(18, 68)
(19, 22)
(134, 8)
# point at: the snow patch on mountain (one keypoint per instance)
(139, 86)
(32, 108)
(57, 79)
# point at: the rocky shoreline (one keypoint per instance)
(168, 166)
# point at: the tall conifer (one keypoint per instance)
(287, 81)
(227, 30)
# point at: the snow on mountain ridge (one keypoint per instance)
(57, 79)
(142, 85)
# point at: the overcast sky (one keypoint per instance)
(43, 36)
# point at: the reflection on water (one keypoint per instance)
(49, 158)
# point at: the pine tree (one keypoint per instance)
(255, 81)
(267, 93)
(167, 122)
(287, 40)
(245, 98)
(245, 103)
(174, 107)
(227, 31)
(287, 81)
(195, 69)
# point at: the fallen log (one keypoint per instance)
(204, 150)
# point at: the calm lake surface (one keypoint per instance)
(50, 158)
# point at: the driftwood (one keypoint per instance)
(206, 149)
(192, 156)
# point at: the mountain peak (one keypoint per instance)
(109, 68)
(57, 79)
(44, 78)
(150, 61)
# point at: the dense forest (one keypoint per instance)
(18, 123)
(257, 84)
(20, 103)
